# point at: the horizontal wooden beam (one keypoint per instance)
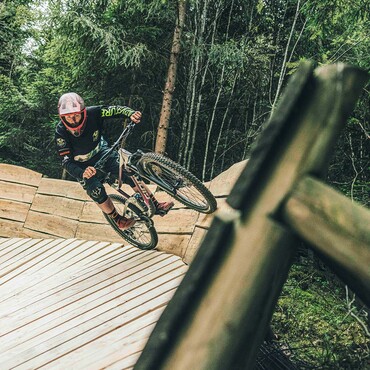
(336, 227)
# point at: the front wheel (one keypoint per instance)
(142, 234)
(178, 182)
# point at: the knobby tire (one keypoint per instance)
(142, 234)
(189, 190)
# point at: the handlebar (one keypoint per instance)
(125, 133)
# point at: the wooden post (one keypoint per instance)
(220, 321)
(336, 227)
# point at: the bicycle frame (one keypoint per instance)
(140, 186)
(124, 164)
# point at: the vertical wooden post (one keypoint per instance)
(225, 315)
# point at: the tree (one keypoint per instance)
(164, 119)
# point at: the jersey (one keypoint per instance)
(76, 153)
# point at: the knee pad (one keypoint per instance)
(95, 190)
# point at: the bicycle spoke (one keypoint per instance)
(142, 234)
(183, 188)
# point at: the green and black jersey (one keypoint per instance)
(73, 151)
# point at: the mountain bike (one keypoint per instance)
(157, 169)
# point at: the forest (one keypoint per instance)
(206, 74)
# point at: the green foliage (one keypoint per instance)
(322, 326)
(118, 52)
(349, 168)
(340, 30)
(26, 135)
(12, 35)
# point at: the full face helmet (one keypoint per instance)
(72, 112)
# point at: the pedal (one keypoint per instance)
(164, 208)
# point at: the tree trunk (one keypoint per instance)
(221, 130)
(209, 134)
(196, 90)
(201, 87)
(283, 66)
(164, 119)
(212, 124)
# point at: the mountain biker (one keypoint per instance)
(80, 144)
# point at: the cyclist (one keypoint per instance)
(80, 144)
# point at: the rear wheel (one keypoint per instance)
(178, 182)
(142, 234)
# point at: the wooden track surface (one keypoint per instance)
(73, 304)
(72, 295)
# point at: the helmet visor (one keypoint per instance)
(74, 122)
(72, 119)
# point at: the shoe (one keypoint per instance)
(125, 223)
(163, 208)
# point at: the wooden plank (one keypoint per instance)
(44, 265)
(48, 258)
(12, 210)
(193, 245)
(90, 307)
(173, 243)
(74, 301)
(11, 228)
(52, 345)
(111, 254)
(23, 328)
(91, 213)
(62, 188)
(66, 286)
(222, 184)
(17, 192)
(176, 221)
(18, 252)
(50, 224)
(28, 233)
(336, 227)
(34, 252)
(13, 244)
(11, 270)
(91, 231)
(126, 363)
(112, 347)
(9, 242)
(54, 295)
(58, 206)
(19, 175)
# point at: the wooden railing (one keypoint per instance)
(219, 315)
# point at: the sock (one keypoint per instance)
(155, 201)
(114, 214)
